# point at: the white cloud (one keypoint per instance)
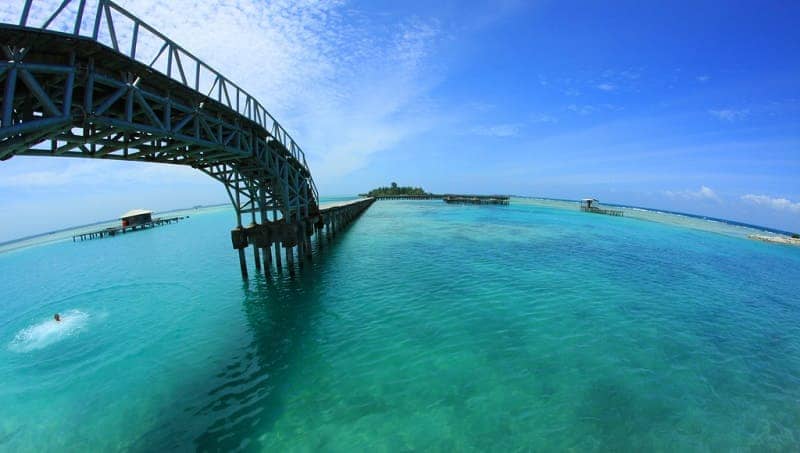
(543, 80)
(704, 193)
(730, 114)
(96, 173)
(581, 109)
(778, 204)
(607, 87)
(498, 130)
(703, 78)
(344, 83)
(543, 118)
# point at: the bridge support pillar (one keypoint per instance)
(290, 260)
(267, 264)
(239, 240)
(301, 245)
(278, 264)
(308, 231)
(257, 258)
(243, 263)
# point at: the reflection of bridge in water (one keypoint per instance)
(88, 79)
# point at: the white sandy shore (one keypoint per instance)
(776, 239)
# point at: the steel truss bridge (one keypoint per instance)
(89, 79)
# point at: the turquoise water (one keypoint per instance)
(424, 326)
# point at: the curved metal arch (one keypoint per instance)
(82, 93)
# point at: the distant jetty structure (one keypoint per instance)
(593, 205)
(136, 219)
(448, 198)
(476, 199)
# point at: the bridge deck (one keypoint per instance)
(328, 206)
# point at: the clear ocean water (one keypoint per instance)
(424, 326)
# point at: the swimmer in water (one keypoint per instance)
(57, 317)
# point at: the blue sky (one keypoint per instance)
(686, 106)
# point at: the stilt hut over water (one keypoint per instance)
(593, 205)
(586, 203)
(136, 217)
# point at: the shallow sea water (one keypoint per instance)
(423, 326)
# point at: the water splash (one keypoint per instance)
(48, 332)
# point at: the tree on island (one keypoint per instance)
(395, 190)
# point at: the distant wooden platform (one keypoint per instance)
(113, 231)
(476, 199)
(611, 212)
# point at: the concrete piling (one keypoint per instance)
(256, 258)
(243, 263)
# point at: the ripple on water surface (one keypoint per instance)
(423, 326)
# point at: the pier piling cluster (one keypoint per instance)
(281, 240)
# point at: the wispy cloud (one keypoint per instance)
(345, 84)
(99, 172)
(586, 109)
(703, 78)
(581, 109)
(778, 204)
(498, 130)
(703, 193)
(543, 118)
(730, 114)
(607, 87)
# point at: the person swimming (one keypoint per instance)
(57, 317)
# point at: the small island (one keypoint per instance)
(395, 192)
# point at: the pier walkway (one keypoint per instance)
(113, 231)
(476, 199)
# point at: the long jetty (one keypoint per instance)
(449, 198)
(611, 212)
(276, 240)
(113, 231)
(476, 199)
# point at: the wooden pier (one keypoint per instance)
(592, 205)
(449, 198)
(476, 199)
(612, 212)
(113, 231)
(280, 240)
